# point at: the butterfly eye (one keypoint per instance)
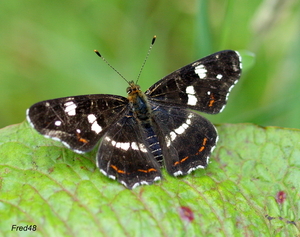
(129, 90)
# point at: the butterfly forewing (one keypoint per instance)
(79, 121)
(203, 85)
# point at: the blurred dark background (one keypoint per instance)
(46, 50)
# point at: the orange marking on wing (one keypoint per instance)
(80, 139)
(200, 150)
(116, 169)
(83, 140)
(148, 170)
(182, 160)
(212, 101)
(203, 145)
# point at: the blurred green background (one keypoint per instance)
(46, 50)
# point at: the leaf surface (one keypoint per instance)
(250, 188)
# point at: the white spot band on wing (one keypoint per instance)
(201, 71)
(95, 126)
(70, 108)
(192, 99)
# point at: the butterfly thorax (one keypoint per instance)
(138, 102)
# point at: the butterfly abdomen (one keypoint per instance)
(154, 145)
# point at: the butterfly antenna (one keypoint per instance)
(151, 45)
(97, 52)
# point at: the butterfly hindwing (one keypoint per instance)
(124, 155)
(79, 121)
(187, 139)
(203, 85)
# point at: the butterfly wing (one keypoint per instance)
(79, 121)
(202, 85)
(186, 138)
(124, 155)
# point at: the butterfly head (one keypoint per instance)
(133, 89)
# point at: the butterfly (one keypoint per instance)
(143, 132)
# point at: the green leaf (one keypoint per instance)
(64, 194)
